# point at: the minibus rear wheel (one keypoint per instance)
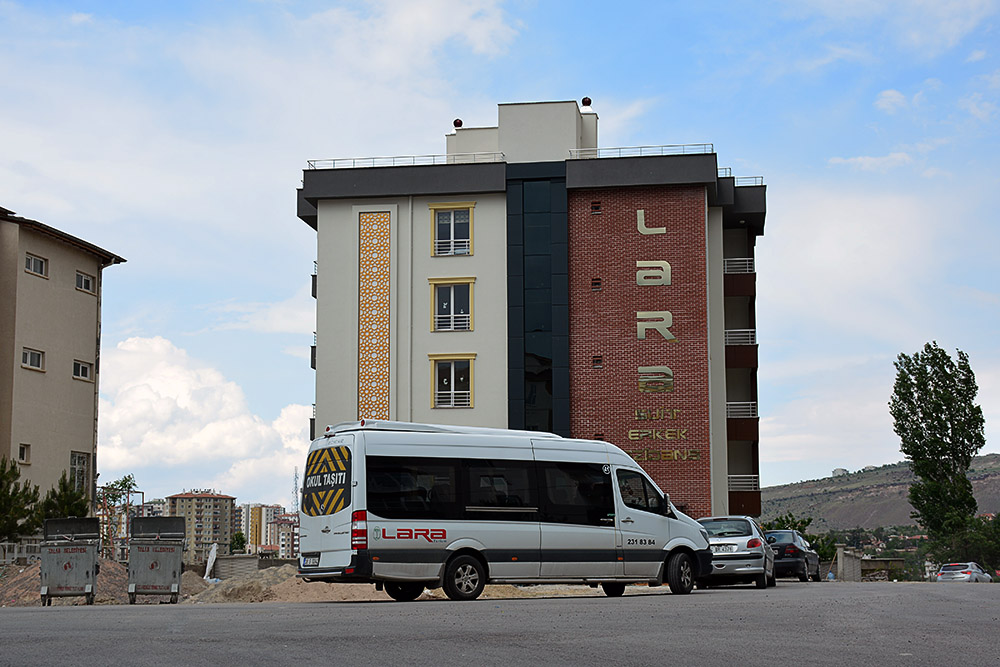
(464, 578)
(403, 591)
(680, 573)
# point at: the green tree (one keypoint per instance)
(940, 429)
(18, 514)
(64, 501)
(238, 543)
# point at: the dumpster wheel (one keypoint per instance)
(173, 598)
(131, 598)
(46, 601)
(90, 598)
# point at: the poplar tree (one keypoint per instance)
(940, 429)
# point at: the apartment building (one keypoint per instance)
(285, 535)
(208, 520)
(50, 342)
(529, 278)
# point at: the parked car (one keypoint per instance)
(970, 572)
(740, 553)
(792, 555)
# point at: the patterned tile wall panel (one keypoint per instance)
(373, 316)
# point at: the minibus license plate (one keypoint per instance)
(310, 561)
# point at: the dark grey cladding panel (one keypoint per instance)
(306, 211)
(749, 208)
(724, 192)
(701, 168)
(437, 179)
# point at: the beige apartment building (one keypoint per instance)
(208, 520)
(50, 342)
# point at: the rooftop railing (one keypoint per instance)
(406, 160)
(640, 151)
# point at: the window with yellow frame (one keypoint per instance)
(451, 225)
(452, 304)
(452, 380)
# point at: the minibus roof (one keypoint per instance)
(386, 425)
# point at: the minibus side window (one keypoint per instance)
(412, 488)
(577, 493)
(637, 493)
(500, 484)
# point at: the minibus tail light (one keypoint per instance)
(359, 530)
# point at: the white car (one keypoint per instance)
(970, 572)
(740, 552)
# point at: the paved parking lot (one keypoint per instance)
(792, 624)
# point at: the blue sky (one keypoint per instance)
(174, 134)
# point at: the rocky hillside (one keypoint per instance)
(871, 498)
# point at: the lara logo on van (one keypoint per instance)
(429, 534)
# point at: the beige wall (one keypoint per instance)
(540, 131)
(11, 266)
(410, 310)
(51, 410)
(717, 365)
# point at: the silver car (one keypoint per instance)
(970, 572)
(740, 552)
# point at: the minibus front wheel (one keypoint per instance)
(680, 573)
(464, 578)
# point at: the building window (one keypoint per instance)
(37, 265)
(79, 471)
(453, 380)
(24, 454)
(85, 282)
(451, 303)
(597, 361)
(595, 208)
(595, 284)
(82, 370)
(33, 359)
(452, 228)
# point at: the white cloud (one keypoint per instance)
(179, 423)
(890, 101)
(976, 56)
(978, 107)
(868, 163)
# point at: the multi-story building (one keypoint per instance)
(286, 535)
(255, 520)
(208, 520)
(155, 507)
(530, 279)
(50, 342)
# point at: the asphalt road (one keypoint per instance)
(793, 624)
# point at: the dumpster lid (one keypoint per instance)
(72, 528)
(158, 527)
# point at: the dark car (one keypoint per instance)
(792, 555)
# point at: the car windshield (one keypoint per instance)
(955, 567)
(782, 536)
(726, 527)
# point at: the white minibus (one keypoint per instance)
(414, 506)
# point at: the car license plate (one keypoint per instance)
(723, 548)
(310, 561)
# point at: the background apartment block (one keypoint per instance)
(208, 520)
(50, 342)
(530, 279)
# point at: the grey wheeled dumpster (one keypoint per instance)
(154, 557)
(70, 549)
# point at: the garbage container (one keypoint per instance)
(70, 548)
(155, 557)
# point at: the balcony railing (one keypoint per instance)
(640, 151)
(452, 322)
(452, 399)
(749, 180)
(407, 160)
(738, 265)
(741, 336)
(744, 482)
(741, 410)
(444, 247)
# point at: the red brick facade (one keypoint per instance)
(666, 431)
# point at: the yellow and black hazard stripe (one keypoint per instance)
(328, 481)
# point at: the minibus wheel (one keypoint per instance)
(464, 578)
(403, 592)
(612, 589)
(680, 573)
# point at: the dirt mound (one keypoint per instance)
(20, 586)
(252, 587)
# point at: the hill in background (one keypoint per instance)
(869, 498)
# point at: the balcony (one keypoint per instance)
(452, 322)
(744, 494)
(453, 399)
(742, 422)
(315, 278)
(312, 352)
(447, 247)
(739, 276)
(741, 348)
